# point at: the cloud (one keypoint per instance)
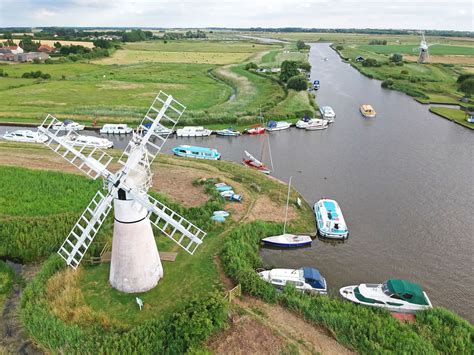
(418, 14)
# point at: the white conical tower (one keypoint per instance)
(135, 265)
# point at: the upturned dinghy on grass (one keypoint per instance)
(394, 295)
(305, 279)
(222, 188)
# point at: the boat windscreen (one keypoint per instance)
(313, 277)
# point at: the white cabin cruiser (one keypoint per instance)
(329, 219)
(305, 279)
(193, 131)
(24, 135)
(316, 125)
(121, 128)
(327, 113)
(395, 295)
(67, 125)
(88, 141)
(277, 126)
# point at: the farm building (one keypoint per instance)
(30, 56)
(46, 49)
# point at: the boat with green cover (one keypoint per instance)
(394, 295)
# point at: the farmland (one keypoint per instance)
(201, 74)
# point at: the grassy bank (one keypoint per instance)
(6, 283)
(121, 87)
(364, 329)
(452, 114)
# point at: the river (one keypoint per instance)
(404, 180)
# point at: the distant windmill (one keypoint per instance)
(135, 264)
(424, 56)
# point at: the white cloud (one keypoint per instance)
(427, 14)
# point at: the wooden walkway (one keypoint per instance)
(168, 256)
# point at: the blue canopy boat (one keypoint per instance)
(190, 151)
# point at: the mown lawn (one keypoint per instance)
(453, 114)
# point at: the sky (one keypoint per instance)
(412, 14)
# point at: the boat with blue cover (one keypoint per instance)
(305, 279)
(277, 126)
(329, 219)
(190, 151)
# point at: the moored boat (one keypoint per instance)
(327, 113)
(228, 132)
(394, 295)
(193, 131)
(277, 126)
(252, 162)
(88, 141)
(316, 124)
(329, 219)
(305, 279)
(288, 240)
(367, 111)
(190, 151)
(316, 85)
(67, 125)
(256, 129)
(160, 130)
(303, 123)
(120, 128)
(24, 135)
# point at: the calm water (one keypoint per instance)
(404, 181)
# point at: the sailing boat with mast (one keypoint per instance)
(254, 163)
(288, 240)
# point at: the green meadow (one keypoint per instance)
(203, 75)
(412, 49)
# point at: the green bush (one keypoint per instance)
(339, 47)
(387, 83)
(251, 66)
(289, 68)
(298, 83)
(36, 74)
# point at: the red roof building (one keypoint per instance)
(45, 48)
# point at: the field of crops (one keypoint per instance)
(120, 88)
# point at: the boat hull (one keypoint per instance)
(262, 169)
(286, 245)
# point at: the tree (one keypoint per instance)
(467, 86)
(29, 45)
(300, 45)
(57, 45)
(298, 83)
(134, 36)
(369, 62)
(102, 43)
(305, 66)
(289, 68)
(250, 66)
(396, 58)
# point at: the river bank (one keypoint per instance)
(426, 83)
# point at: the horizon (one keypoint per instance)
(455, 15)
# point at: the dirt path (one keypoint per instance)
(13, 339)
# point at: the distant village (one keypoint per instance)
(16, 54)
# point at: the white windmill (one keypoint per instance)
(424, 55)
(135, 264)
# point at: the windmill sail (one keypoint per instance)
(92, 161)
(82, 234)
(173, 225)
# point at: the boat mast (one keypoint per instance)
(287, 202)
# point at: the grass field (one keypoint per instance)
(411, 49)
(120, 88)
(453, 114)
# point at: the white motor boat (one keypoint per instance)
(288, 240)
(228, 132)
(327, 113)
(316, 125)
(88, 141)
(67, 125)
(24, 135)
(193, 131)
(395, 295)
(277, 126)
(305, 279)
(329, 219)
(110, 128)
(160, 130)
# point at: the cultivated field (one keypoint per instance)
(64, 43)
